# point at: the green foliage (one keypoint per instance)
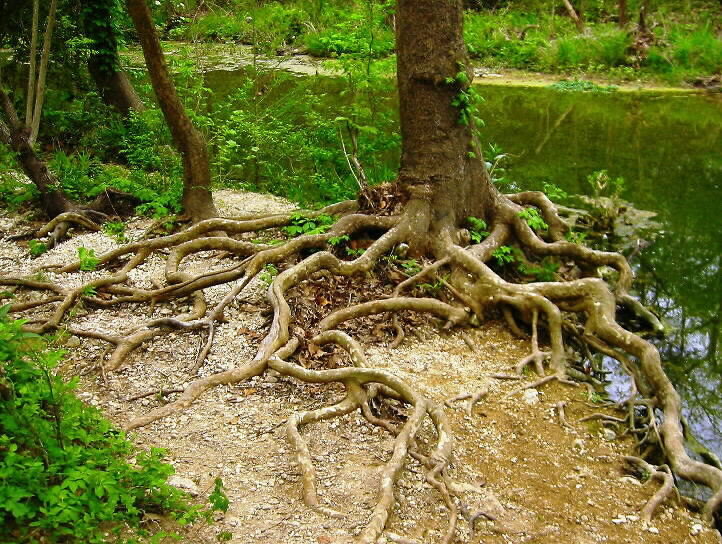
(580, 85)
(355, 252)
(64, 469)
(477, 229)
(545, 271)
(88, 259)
(575, 237)
(533, 218)
(411, 266)
(554, 192)
(303, 225)
(338, 240)
(268, 274)
(504, 255)
(602, 184)
(355, 32)
(37, 248)
(116, 230)
(89, 291)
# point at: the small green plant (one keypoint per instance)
(338, 240)
(411, 267)
(116, 230)
(546, 271)
(300, 224)
(580, 85)
(603, 184)
(88, 260)
(89, 291)
(554, 192)
(533, 218)
(268, 274)
(466, 99)
(357, 252)
(37, 248)
(477, 229)
(504, 255)
(575, 237)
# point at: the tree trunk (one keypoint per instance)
(643, 12)
(578, 21)
(197, 198)
(17, 137)
(441, 166)
(30, 98)
(103, 64)
(42, 73)
(623, 17)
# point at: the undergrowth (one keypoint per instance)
(66, 473)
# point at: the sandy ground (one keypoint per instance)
(541, 481)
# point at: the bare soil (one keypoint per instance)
(542, 482)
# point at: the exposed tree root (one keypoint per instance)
(474, 289)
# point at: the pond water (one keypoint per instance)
(668, 148)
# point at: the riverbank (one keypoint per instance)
(211, 56)
(537, 476)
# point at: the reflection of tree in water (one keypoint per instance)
(681, 279)
(667, 150)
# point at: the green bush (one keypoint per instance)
(606, 47)
(66, 473)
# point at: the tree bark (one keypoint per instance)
(197, 198)
(103, 64)
(441, 165)
(623, 17)
(574, 15)
(42, 73)
(17, 137)
(30, 98)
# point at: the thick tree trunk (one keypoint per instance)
(115, 88)
(103, 65)
(441, 164)
(197, 198)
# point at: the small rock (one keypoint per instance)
(185, 484)
(73, 342)
(609, 435)
(653, 530)
(630, 480)
(696, 529)
(531, 396)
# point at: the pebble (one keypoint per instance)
(696, 529)
(609, 435)
(531, 396)
(185, 484)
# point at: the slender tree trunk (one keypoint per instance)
(574, 15)
(197, 198)
(643, 12)
(103, 64)
(43, 72)
(441, 165)
(17, 137)
(30, 98)
(623, 17)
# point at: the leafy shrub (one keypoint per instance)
(65, 470)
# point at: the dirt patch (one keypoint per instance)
(541, 481)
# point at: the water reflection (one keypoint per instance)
(669, 150)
